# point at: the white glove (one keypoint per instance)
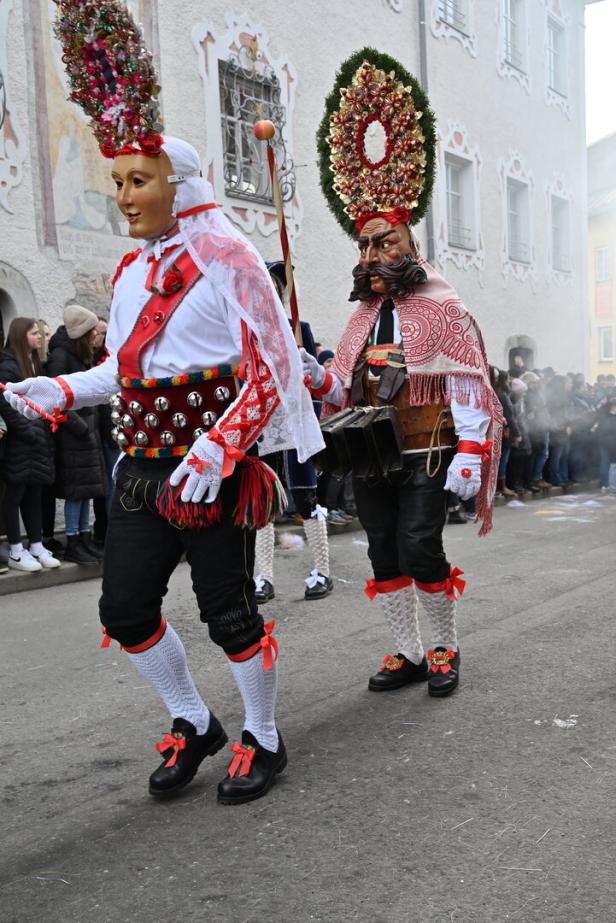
(464, 475)
(46, 393)
(312, 369)
(203, 469)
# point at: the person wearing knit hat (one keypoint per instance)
(326, 357)
(78, 320)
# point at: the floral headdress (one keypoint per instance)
(374, 88)
(110, 74)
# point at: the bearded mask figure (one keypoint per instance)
(387, 261)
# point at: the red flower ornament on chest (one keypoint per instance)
(172, 282)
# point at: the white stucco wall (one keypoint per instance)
(315, 37)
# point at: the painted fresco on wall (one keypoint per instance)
(12, 139)
(82, 218)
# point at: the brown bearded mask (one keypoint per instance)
(143, 194)
(387, 262)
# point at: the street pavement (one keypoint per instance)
(495, 804)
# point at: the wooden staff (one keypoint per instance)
(264, 131)
(55, 418)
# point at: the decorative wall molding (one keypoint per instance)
(555, 11)
(467, 37)
(247, 39)
(514, 167)
(456, 142)
(504, 67)
(557, 187)
(12, 138)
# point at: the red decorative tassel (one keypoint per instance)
(187, 515)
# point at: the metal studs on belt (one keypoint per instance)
(167, 438)
(141, 438)
(135, 408)
(151, 421)
(179, 420)
(209, 418)
(162, 403)
(222, 394)
(194, 399)
(127, 422)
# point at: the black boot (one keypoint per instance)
(254, 770)
(88, 544)
(52, 544)
(444, 672)
(457, 516)
(396, 672)
(76, 553)
(183, 751)
(264, 594)
(321, 589)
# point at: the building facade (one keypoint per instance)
(505, 79)
(601, 252)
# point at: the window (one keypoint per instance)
(603, 268)
(518, 221)
(606, 344)
(560, 234)
(244, 98)
(513, 14)
(556, 57)
(460, 202)
(454, 13)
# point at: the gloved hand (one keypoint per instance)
(464, 475)
(46, 393)
(203, 469)
(312, 369)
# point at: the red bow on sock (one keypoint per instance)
(269, 646)
(454, 582)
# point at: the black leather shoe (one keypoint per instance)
(183, 751)
(91, 549)
(444, 673)
(396, 672)
(252, 771)
(320, 590)
(457, 516)
(265, 593)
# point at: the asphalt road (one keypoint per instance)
(496, 804)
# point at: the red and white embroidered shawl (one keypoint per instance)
(445, 359)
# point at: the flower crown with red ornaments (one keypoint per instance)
(111, 75)
(373, 89)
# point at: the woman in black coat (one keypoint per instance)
(80, 466)
(28, 462)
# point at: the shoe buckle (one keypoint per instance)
(391, 663)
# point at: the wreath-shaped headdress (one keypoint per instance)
(110, 74)
(375, 88)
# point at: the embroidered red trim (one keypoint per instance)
(267, 643)
(173, 743)
(126, 260)
(195, 209)
(448, 586)
(386, 586)
(242, 761)
(151, 641)
(68, 393)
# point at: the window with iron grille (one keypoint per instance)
(556, 57)
(606, 344)
(460, 202)
(603, 264)
(513, 15)
(454, 13)
(518, 221)
(561, 234)
(247, 95)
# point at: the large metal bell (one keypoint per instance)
(141, 438)
(122, 439)
(116, 402)
(194, 399)
(116, 417)
(151, 420)
(222, 393)
(167, 438)
(179, 420)
(128, 422)
(135, 408)
(198, 432)
(162, 403)
(209, 418)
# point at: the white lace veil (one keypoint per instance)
(235, 268)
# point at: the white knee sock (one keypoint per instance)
(318, 542)
(264, 554)
(165, 668)
(441, 611)
(258, 688)
(400, 608)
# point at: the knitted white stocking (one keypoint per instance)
(400, 608)
(165, 668)
(441, 610)
(258, 689)
(264, 555)
(318, 542)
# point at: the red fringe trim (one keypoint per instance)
(261, 499)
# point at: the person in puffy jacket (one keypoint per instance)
(27, 464)
(80, 465)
